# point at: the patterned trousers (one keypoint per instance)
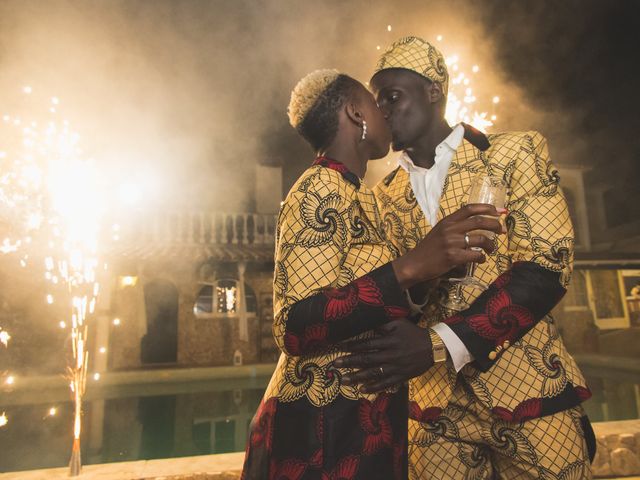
(467, 442)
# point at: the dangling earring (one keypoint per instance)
(364, 130)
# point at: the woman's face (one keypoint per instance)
(378, 132)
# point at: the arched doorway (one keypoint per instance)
(160, 344)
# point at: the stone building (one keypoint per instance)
(190, 289)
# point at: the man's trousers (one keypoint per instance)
(468, 442)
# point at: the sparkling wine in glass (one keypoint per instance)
(484, 189)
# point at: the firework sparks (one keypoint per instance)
(56, 202)
(4, 337)
(462, 103)
(461, 100)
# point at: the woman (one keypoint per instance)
(336, 278)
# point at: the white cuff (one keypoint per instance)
(457, 350)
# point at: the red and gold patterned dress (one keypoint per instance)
(333, 281)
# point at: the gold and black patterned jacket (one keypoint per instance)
(333, 281)
(521, 368)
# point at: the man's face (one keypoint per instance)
(402, 96)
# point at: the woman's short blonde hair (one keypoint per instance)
(307, 92)
(315, 105)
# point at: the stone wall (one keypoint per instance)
(618, 451)
(200, 341)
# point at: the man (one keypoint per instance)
(493, 391)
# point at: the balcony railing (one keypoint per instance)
(206, 228)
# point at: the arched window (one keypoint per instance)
(221, 299)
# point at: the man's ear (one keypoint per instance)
(434, 92)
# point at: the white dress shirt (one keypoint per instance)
(427, 186)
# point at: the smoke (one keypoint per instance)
(192, 94)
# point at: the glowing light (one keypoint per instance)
(103, 350)
(496, 99)
(96, 376)
(129, 194)
(10, 380)
(378, 47)
(34, 221)
(3, 419)
(128, 281)
(49, 191)
(461, 100)
(8, 247)
(53, 411)
(4, 337)
(439, 38)
(230, 295)
(388, 28)
(116, 321)
(480, 121)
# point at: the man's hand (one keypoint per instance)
(450, 244)
(400, 352)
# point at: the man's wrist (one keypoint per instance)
(438, 348)
(404, 270)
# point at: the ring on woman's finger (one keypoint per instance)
(466, 240)
(381, 371)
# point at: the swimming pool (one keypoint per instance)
(165, 414)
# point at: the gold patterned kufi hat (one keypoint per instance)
(306, 93)
(417, 55)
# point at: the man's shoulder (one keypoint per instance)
(502, 139)
(507, 145)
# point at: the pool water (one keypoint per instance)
(167, 420)
(192, 420)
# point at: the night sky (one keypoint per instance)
(580, 57)
(194, 93)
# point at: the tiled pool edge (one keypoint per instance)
(618, 455)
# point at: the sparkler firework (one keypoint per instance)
(52, 203)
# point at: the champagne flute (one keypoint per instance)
(484, 189)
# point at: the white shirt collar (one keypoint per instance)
(453, 141)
